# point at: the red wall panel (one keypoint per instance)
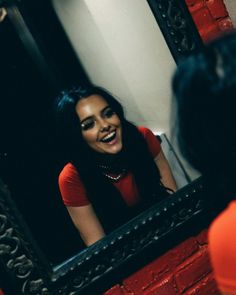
(185, 269)
(211, 17)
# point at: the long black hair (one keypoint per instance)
(105, 198)
(205, 87)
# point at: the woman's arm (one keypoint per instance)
(167, 177)
(87, 223)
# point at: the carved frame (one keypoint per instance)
(28, 273)
(177, 26)
(24, 268)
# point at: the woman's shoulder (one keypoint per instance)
(221, 231)
(71, 187)
(222, 242)
(224, 220)
(146, 132)
(68, 172)
(153, 143)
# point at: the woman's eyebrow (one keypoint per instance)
(104, 109)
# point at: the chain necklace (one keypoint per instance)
(113, 178)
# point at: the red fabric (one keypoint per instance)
(222, 247)
(73, 191)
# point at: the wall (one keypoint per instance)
(231, 8)
(184, 269)
(211, 17)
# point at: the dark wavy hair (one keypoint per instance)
(204, 87)
(105, 198)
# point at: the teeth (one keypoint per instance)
(109, 135)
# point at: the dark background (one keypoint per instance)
(30, 154)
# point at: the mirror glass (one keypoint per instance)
(37, 61)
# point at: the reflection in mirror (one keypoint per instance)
(115, 170)
(35, 68)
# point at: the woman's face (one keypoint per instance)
(100, 125)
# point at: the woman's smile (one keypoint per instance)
(109, 138)
(100, 125)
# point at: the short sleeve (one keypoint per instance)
(72, 190)
(153, 143)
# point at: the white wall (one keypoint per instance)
(231, 8)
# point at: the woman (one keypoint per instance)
(113, 170)
(205, 87)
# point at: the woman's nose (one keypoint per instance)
(104, 126)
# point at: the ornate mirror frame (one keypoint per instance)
(177, 26)
(24, 269)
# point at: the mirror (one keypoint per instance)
(35, 67)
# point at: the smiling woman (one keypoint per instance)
(100, 125)
(124, 163)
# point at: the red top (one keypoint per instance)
(74, 193)
(222, 247)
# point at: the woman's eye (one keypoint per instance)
(87, 125)
(108, 113)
